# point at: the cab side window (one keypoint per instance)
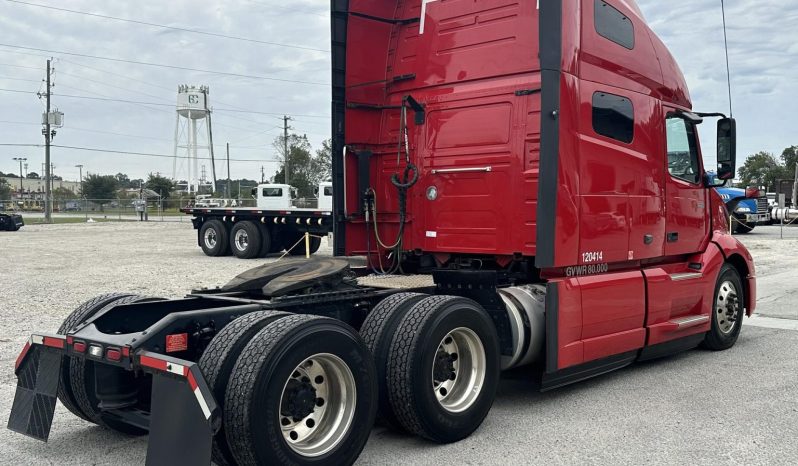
(682, 150)
(614, 25)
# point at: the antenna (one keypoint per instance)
(728, 71)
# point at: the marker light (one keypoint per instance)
(96, 351)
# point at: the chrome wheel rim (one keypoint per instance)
(458, 370)
(210, 238)
(727, 307)
(241, 240)
(317, 405)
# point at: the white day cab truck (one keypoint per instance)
(273, 225)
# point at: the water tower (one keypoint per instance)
(193, 136)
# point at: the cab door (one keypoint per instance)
(686, 205)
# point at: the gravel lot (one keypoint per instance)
(733, 407)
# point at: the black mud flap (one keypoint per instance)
(184, 415)
(38, 367)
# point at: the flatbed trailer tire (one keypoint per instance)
(80, 314)
(214, 238)
(81, 376)
(277, 407)
(217, 364)
(245, 239)
(267, 241)
(444, 368)
(378, 332)
(298, 243)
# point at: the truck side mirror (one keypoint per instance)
(727, 148)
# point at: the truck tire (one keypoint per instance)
(213, 238)
(742, 228)
(79, 315)
(299, 249)
(217, 364)
(378, 331)
(245, 240)
(81, 376)
(444, 368)
(303, 392)
(266, 240)
(727, 310)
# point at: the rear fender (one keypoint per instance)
(737, 255)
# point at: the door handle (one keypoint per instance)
(673, 237)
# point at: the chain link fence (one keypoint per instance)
(105, 209)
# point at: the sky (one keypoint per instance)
(267, 80)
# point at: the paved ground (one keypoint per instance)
(776, 266)
(733, 407)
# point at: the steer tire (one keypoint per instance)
(414, 357)
(82, 381)
(218, 247)
(255, 408)
(249, 249)
(717, 339)
(378, 331)
(742, 228)
(79, 315)
(217, 364)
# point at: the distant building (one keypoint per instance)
(34, 188)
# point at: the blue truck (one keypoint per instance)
(748, 207)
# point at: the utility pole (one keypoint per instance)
(20, 160)
(229, 188)
(285, 148)
(80, 166)
(262, 174)
(48, 206)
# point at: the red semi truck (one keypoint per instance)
(532, 168)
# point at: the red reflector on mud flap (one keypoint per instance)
(176, 342)
(79, 347)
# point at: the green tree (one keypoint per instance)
(161, 185)
(761, 169)
(100, 189)
(5, 190)
(123, 180)
(300, 164)
(61, 194)
(789, 157)
(306, 169)
(323, 162)
(33, 176)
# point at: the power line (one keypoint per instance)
(161, 65)
(135, 102)
(174, 28)
(120, 152)
(134, 136)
